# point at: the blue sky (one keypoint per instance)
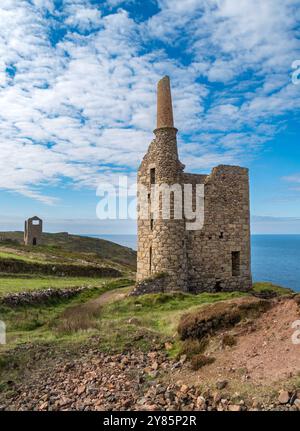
(77, 101)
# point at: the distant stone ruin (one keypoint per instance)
(33, 231)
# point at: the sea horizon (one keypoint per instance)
(275, 258)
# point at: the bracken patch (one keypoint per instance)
(199, 361)
(208, 319)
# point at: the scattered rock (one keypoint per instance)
(43, 406)
(154, 366)
(217, 397)
(81, 389)
(221, 384)
(120, 382)
(256, 405)
(200, 403)
(183, 358)
(133, 321)
(168, 346)
(234, 408)
(297, 403)
(284, 397)
(184, 389)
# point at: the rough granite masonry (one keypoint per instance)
(217, 256)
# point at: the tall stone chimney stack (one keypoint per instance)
(164, 104)
(161, 241)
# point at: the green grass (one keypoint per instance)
(154, 313)
(120, 324)
(63, 246)
(37, 323)
(265, 286)
(11, 255)
(44, 255)
(160, 312)
(12, 284)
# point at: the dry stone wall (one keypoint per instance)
(157, 284)
(18, 266)
(40, 296)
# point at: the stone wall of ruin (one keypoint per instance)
(226, 230)
(201, 260)
(161, 246)
(33, 232)
(213, 258)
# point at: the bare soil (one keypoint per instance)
(263, 353)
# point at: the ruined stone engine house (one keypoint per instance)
(33, 231)
(213, 258)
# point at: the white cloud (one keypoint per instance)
(115, 3)
(80, 14)
(83, 107)
(293, 178)
(84, 18)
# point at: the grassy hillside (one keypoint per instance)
(62, 261)
(131, 321)
(65, 248)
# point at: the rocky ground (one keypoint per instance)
(257, 368)
(130, 381)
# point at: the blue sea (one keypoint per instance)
(275, 258)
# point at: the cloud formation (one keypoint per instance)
(77, 85)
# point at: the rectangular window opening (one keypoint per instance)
(149, 203)
(172, 203)
(235, 259)
(152, 176)
(150, 259)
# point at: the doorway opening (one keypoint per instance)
(235, 260)
(218, 287)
